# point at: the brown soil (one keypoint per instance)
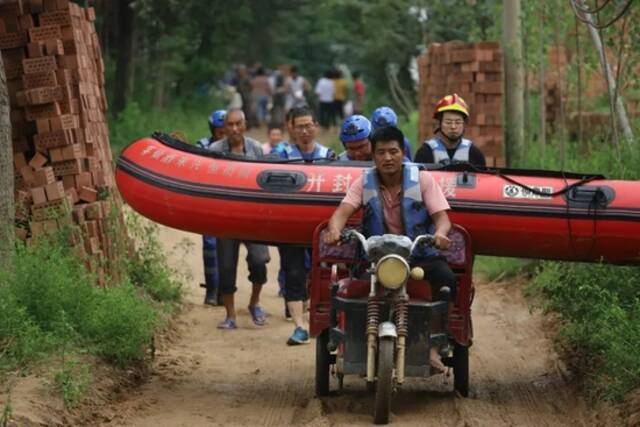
(250, 377)
(206, 377)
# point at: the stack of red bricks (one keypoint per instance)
(473, 71)
(63, 161)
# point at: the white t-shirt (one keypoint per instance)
(325, 89)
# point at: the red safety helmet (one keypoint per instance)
(451, 103)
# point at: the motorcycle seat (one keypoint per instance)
(359, 288)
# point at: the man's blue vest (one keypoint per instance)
(292, 151)
(441, 156)
(415, 217)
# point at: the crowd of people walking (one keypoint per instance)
(265, 95)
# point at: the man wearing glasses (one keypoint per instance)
(448, 144)
(302, 146)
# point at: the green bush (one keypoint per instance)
(122, 325)
(50, 305)
(148, 268)
(134, 123)
(600, 306)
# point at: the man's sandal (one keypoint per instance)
(227, 323)
(258, 315)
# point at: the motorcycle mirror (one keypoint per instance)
(417, 273)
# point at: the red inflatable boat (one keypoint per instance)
(532, 214)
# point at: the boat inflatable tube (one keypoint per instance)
(518, 213)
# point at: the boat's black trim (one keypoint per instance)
(332, 199)
(454, 167)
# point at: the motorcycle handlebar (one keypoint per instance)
(422, 240)
(349, 235)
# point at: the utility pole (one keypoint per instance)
(514, 79)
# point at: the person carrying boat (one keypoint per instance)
(257, 255)
(211, 274)
(216, 127)
(303, 146)
(385, 116)
(448, 144)
(398, 198)
(354, 135)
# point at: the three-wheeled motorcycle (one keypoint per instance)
(373, 315)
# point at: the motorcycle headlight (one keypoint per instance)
(392, 271)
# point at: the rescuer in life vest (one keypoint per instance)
(209, 243)
(385, 116)
(448, 144)
(354, 135)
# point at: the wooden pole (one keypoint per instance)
(514, 80)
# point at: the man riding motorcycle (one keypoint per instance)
(400, 199)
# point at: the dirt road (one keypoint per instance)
(250, 377)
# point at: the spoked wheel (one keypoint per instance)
(323, 362)
(384, 386)
(461, 369)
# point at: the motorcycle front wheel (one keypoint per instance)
(384, 385)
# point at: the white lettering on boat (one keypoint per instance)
(341, 183)
(512, 191)
(182, 161)
(147, 150)
(195, 165)
(244, 172)
(448, 186)
(228, 170)
(157, 154)
(168, 158)
(315, 182)
(213, 168)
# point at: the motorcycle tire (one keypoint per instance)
(384, 385)
(323, 363)
(461, 369)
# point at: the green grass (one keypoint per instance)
(501, 268)
(600, 307)
(51, 307)
(599, 304)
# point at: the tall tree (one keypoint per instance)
(125, 53)
(7, 210)
(514, 79)
(616, 101)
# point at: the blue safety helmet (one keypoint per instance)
(355, 128)
(384, 116)
(216, 119)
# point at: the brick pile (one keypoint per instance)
(63, 161)
(473, 71)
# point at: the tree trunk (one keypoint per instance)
(543, 90)
(514, 80)
(161, 82)
(7, 207)
(125, 53)
(617, 104)
(579, 84)
(525, 66)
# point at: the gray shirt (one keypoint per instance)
(252, 148)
